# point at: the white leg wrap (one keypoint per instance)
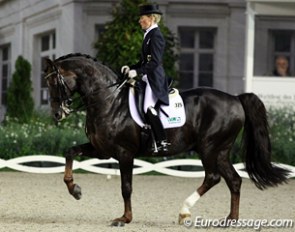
(189, 203)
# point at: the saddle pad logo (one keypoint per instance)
(174, 120)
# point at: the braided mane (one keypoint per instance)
(86, 56)
(75, 55)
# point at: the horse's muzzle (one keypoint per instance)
(59, 115)
(62, 112)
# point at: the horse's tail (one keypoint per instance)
(256, 145)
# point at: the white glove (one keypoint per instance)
(125, 69)
(132, 74)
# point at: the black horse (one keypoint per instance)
(214, 119)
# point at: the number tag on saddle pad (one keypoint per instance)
(174, 115)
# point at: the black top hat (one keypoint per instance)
(147, 9)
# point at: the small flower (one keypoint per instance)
(80, 125)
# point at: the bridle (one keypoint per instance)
(63, 97)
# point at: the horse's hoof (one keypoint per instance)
(77, 194)
(185, 219)
(118, 223)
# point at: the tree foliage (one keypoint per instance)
(20, 103)
(120, 42)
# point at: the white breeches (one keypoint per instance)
(149, 99)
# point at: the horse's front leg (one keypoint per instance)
(74, 189)
(126, 167)
(83, 149)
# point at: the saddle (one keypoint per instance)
(171, 116)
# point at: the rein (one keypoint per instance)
(119, 84)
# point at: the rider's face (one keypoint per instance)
(146, 21)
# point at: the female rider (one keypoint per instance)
(150, 68)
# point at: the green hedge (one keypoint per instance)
(282, 135)
(282, 131)
(42, 136)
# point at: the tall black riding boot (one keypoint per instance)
(157, 129)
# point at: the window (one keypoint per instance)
(283, 44)
(99, 29)
(196, 57)
(4, 71)
(47, 50)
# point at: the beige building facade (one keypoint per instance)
(211, 33)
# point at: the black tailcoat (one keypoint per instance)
(151, 64)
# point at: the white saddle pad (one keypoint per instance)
(175, 110)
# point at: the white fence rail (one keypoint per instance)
(92, 165)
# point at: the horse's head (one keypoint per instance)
(60, 85)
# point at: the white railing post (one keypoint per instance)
(249, 47)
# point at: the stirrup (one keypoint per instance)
(164, 145)
(161, 146)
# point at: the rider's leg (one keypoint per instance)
(157, 128)
(152, 117)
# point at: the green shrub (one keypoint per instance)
(20, 103)
(282, 131)
(282, 136)
(40, 136)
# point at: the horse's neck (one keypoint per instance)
(101, 94)
(107, 112)
(97, 83)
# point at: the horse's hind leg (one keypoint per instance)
(233, 181)
(126, 167)
(211, 178)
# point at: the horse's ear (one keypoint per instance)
(47, 64)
